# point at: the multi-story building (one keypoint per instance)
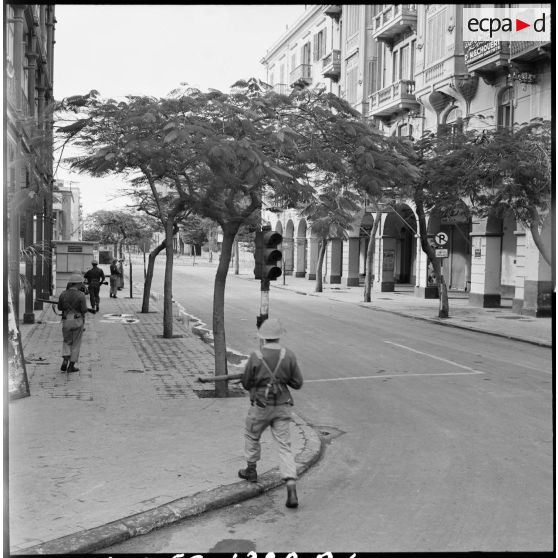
(28, 146)
(67, 212)
(406, 68)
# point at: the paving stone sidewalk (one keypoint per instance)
(97, 456)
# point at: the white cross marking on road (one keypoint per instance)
(435, 357)
(380, 376)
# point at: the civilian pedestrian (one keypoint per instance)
(268, 374)
(115, 273)
(73, 305)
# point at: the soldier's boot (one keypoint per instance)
(250, 474)
(64, 366)
(292, 499)
(72, 367)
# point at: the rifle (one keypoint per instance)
(53, 302)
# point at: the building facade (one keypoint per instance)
(406, 69)
(28, 148)
(66, 212)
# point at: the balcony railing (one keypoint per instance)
(526, 50)
(331, 65)
(282, 88)
(302, 73)
(393, 20)
(393, 99)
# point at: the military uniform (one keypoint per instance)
(73, 305)
(95, 276)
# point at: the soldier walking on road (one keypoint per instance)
(267, 375)
(73, 304)
(95, 277)
(115, 273)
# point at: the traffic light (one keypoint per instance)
(267, 255)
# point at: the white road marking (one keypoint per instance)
(380, 376)
(435, 357)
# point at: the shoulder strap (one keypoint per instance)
(281, 357)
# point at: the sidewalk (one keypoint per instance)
(89, 455)
(129, 443)
(495, 321)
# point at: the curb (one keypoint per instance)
(437, 321)
(115, 532)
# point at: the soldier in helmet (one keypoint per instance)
(94, 277)
(73, 305)
(268, 374)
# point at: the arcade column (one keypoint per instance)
(353, 259)
(485, 269)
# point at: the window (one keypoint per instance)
(293, 60)
(320, 44)
(384, 65)
(306, 54)
(405, 66)
(351, 81)
(352, 19)
(395, 67)
(505, 108)
(412, 64)
(435, 42)
(452, 122)
(372, 75)
(405, 131)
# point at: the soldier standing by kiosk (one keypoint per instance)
(95, 278)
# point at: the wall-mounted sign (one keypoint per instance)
(477, 50)
(389, 260)
(478, 252)
(75, 248)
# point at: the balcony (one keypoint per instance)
(393, 20)
(331, 65)
(397, 97)
(302, 75)
(333, 10)
(529, 51)
(487, 58)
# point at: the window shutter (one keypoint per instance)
(316, 52)
(324, 42)
(372, 75)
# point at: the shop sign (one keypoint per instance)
(477, 50)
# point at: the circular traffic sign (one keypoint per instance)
(441, 239)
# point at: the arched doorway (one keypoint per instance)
(456, 224)
(400, 245)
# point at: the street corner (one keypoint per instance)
(312, 445)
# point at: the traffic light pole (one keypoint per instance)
(264, 303)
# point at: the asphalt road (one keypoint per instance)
(438, 439)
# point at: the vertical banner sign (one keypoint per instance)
(18, 386)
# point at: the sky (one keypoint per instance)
(151, 49)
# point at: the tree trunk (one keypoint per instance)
(167, 289)
(429, 251)
(370, 259)
(219, 341)
(539, 243)
(320, 264)
(149, 276)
